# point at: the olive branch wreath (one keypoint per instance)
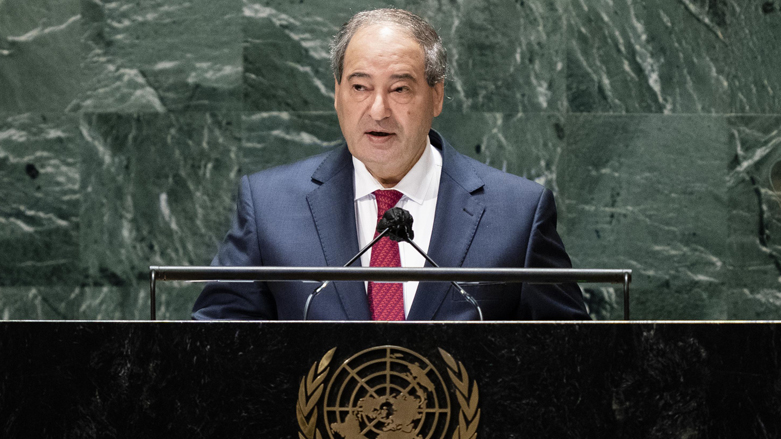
(311, 389)
(309, 393)
(469, 415)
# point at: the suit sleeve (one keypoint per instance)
(237, 301)
(545, 250)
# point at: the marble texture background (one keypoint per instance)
(125, 126)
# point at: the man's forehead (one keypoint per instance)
(383, 44)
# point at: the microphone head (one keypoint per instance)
(399, 221)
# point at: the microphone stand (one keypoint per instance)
(325, 284)
(398, 224)
(463, 292)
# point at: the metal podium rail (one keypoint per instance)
(321, 274)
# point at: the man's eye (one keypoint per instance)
(358, 87)
(401, 89)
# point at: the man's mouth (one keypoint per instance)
(378, 133)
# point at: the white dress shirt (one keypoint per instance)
(420, 188)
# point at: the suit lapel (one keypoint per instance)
(333, 211)
(457, 216)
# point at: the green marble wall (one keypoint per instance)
(124, 127)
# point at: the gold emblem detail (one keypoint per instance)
(469, 415)
(387, 392)
(309, 393)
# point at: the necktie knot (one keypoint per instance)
(386, 200)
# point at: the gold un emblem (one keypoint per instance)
(387, 392)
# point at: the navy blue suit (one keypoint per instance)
(303, 214)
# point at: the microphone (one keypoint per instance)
(399, 221)
(396, 223)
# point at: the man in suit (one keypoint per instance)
(389, 70)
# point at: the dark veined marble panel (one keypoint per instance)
(162, 56)
(754, 190)
(40, 55)
(630, 56)
(286, 61)
(689, 56)
(273, 139)
(753, 36)
(39, 189)
(156, 190)
(174, 301)
(648, 193)
(503, 56)
(529, 145)
(69, 303)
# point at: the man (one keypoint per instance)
(389, 70)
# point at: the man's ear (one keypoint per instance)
(439, 97)
(336, 94)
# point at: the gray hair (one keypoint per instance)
(433, 50)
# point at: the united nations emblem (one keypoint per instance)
(387, 392)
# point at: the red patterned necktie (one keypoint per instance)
(386, 300)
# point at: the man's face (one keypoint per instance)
(384, 104)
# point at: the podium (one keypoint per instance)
(313, 379)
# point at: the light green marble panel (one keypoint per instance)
(162, 55)
(286, 61)
(754, 188)
(61, 303)
(273, 139)
(655, 56)
(527, 145)
(648, 193)
(39, 189)
(753, 36)
(156, 190)
(40, 55)
(503, 56)
(174, 301)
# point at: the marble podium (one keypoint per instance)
(303, 379)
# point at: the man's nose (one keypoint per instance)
(380, 109)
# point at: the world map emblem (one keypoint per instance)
(387, 392)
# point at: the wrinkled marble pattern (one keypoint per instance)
(628, 188)
(39, 55)
(157, 189)
(161, 56)
(161, 183)
(39, 212)
(754, 201)
(271, 139)
(124, 128)
(687, 56)
(527, 145)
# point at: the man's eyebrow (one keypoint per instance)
(396, 76)
(358, 75)
(403, 76)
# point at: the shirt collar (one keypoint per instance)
(414, 185)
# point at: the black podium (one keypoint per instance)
(392, 380)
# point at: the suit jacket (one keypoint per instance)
(303, 214)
